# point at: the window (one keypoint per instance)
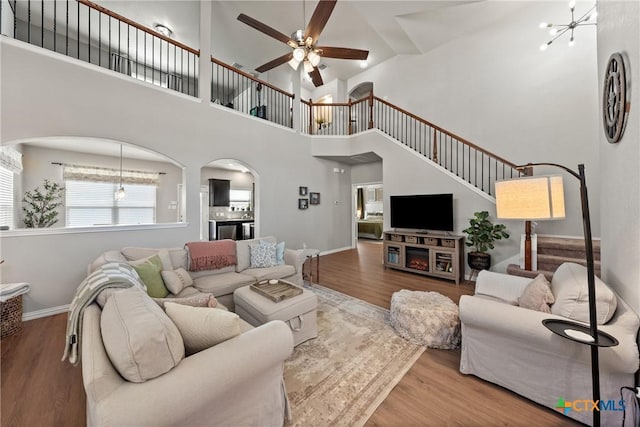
(93, 203)
(6, 198)
(240, 199)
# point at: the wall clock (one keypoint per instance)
(614, 99)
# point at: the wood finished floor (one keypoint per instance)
(38, 390)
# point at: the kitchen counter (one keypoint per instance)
(232, 220)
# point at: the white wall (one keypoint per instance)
(619, 31)
(406, 172)
(496, 89)
(366, 173)
(46, 94)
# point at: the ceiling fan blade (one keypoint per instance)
(264, 28)
(275, 62)
(343, 53)
(316, 78)
(319, 19)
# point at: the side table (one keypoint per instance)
(309, 255)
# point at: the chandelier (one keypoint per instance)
(557, 30)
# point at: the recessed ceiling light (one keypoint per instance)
(163, 29)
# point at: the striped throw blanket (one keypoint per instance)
(112, 275)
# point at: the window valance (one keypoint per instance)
(10, 159)
(98, 174)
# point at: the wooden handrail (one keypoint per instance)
(446, 132)
(138, 26)
(249, 76)
(310, 103)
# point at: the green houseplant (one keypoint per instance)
(481, 235)
(40, 206)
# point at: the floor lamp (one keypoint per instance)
(542, 197)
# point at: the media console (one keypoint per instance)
(429, 254)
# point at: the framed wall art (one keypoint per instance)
(314, 198)
(302, 191)
(303, 203)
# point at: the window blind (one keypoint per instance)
(93, 203)
(6, 197)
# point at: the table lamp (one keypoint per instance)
(533, 198)
(542, 197)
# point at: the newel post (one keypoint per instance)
(371, 110)
(435, 147)
(310, 116)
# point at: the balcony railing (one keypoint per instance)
(462, 158)
(91, 33)
(243, 92)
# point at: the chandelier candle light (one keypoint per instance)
(557, 30)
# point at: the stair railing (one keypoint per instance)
(94, 34)
(233, 88)
(468, 161)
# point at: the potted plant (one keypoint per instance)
(41, 206)
(482, 233)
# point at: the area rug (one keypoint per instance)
(341, 377)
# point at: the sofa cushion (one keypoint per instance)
(275, 272)
(196, 274)
(537, 295)
(280, 248)
(176, 280)
(222, 284)
(141, 341)
(569, 286)
(263, 254)
(203, 327)
(243, 254)
(178, 256)
(149, 271)
(106, 258)
(199, 299)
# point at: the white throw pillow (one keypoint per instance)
(263, 255)
(537, 295)
(203, 327)
(141, 341)
(569, 286)
(176, 280)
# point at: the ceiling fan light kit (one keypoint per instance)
(304, 43)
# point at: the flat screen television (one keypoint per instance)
(422, 212)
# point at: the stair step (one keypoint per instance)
(515, 270)
(566, 248)
(552, 262)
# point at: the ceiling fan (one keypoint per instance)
(304, 43)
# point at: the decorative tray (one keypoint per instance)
(276, 290)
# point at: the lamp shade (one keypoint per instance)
(530, 198)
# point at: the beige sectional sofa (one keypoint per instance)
(137, 364)
(223, 281)
(235, 383)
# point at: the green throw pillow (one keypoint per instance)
(150, 273)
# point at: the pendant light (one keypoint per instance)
(120, 193)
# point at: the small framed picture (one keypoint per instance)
(303, 203)
(302, 191)
(314, 198)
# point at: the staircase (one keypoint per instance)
(553, 251)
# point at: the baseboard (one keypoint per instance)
(333, 251)
(45, 312)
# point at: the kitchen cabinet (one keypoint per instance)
(219, 190)
(235, 229)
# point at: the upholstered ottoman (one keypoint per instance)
(426, 318)
(298, 312)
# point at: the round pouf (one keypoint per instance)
(426, 318)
